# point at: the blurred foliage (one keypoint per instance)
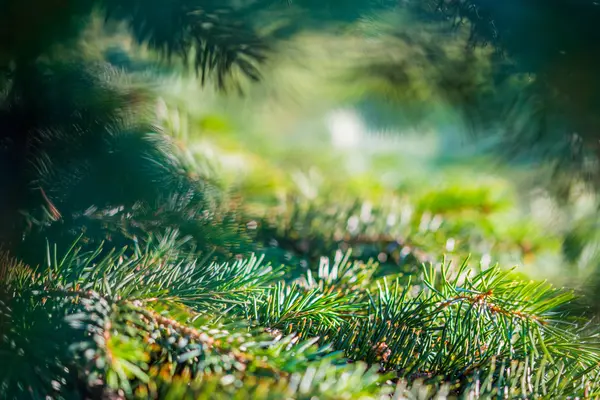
(169, 240)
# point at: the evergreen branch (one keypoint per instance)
(307, 312)
(221, 37)
(158, 271)
(149, 341)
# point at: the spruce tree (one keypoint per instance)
(77, 140)
(127, 275)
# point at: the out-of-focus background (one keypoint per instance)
(350, 121)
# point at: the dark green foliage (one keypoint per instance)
(146, 322)
(220, 36)
(130, 288)
(42, 330)
(72, 124)
(74, 136)
(85, 147)
(555, 44)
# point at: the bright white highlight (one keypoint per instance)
(346, 128)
